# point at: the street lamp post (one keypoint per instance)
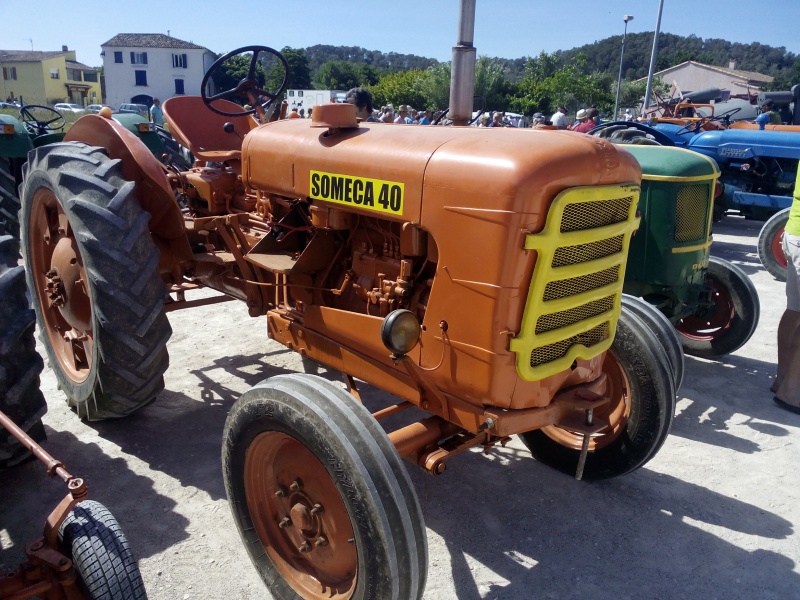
(625, 18)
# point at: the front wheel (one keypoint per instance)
(664, 331)
(770, 249)
(638, 417)
(101, 554)
(92, 271)
(730, 320)
(320, 496)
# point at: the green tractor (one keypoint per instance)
(710, 301)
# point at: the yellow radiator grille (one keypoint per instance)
(691, 213)
(578, 217)
(573, 303)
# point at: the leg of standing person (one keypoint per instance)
(787, 382)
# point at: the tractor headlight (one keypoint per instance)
(7, 129)
(400, 331)
(146, 127)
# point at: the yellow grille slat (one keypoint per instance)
(563, 318)
(691, 213)
(580, 217)
(545, 354)
(578, 285)
(573, 255)
(573, 303)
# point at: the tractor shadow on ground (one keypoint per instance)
(516, 529)
(147, 518)
(710, 398)
(180, 434)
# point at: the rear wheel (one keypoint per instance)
(20, 365)
(9, 201)
(664, 331)
(770, 250)
(730, 321)
(92, 270)
(638, 417)
(320, 496)
(101, 554)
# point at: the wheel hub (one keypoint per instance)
(304, 527)
(65, 285)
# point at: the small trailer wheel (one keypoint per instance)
(101, 554)
(770, 249)
(639, 416)
(320, 496)
(731, 320)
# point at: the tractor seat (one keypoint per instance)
(200, 129)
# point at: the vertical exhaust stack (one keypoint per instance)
(462, 72)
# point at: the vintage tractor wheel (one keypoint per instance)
(92, 271)
(664, 331)
(320, 496)
(9, 201)
(20, 365)
(770, 249)
(638, 417)
(725, 326)
(101, 554)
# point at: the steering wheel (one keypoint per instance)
(726, 116)
(249, 86)
(607, 130)
(41, 126)
(443, 115)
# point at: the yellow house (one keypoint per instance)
(48, 77)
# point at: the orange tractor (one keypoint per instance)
(474, 274)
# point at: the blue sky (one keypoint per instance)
(508, 29)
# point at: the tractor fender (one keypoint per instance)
(17, 144)
(138, 165)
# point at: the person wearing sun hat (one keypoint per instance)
(404, 115)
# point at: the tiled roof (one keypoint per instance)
(27, 55)
(745, 75)
(150, 40)
(73, 64)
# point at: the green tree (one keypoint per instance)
(337, 75)
(398, 88)
(299, 71)
(434, 86)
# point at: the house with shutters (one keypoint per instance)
(47, 77)
(141, 66)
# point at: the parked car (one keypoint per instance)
(140, 109)
(95, 108)
(66, 107)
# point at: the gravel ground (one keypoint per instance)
(711, 516)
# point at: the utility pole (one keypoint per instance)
(626, 18)
(653, 58)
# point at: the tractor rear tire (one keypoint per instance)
(9, 201)
(20, 365)
(664, 331)
(731, 321)
(92, 270)
(639, 417)
(770, 250)
(101, 554)
(297, 442)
